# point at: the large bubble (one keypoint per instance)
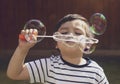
(35, 25)
(98, 24)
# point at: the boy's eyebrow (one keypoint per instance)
(66, 28)
(63, 28)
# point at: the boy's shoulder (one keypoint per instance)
(91, 64)
(94, 64)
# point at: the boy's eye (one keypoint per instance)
(77, 33)
(64, 32)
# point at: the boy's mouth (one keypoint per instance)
(70, 43)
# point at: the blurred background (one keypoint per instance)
(15, 13)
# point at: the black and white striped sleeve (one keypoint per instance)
(103, 79)
(36, 73)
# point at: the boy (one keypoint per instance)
(70, 67)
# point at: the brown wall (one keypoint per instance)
(14, 14)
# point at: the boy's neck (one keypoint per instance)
(73, 59)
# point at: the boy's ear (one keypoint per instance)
(56, 46)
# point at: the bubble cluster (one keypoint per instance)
(98, 24)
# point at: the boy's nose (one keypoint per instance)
(71, 34)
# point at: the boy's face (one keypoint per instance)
(76, 28)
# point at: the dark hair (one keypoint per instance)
(71, 17)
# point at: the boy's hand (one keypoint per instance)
(28, 38)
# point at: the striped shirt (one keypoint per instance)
(55, 70)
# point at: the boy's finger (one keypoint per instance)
(23, 32)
